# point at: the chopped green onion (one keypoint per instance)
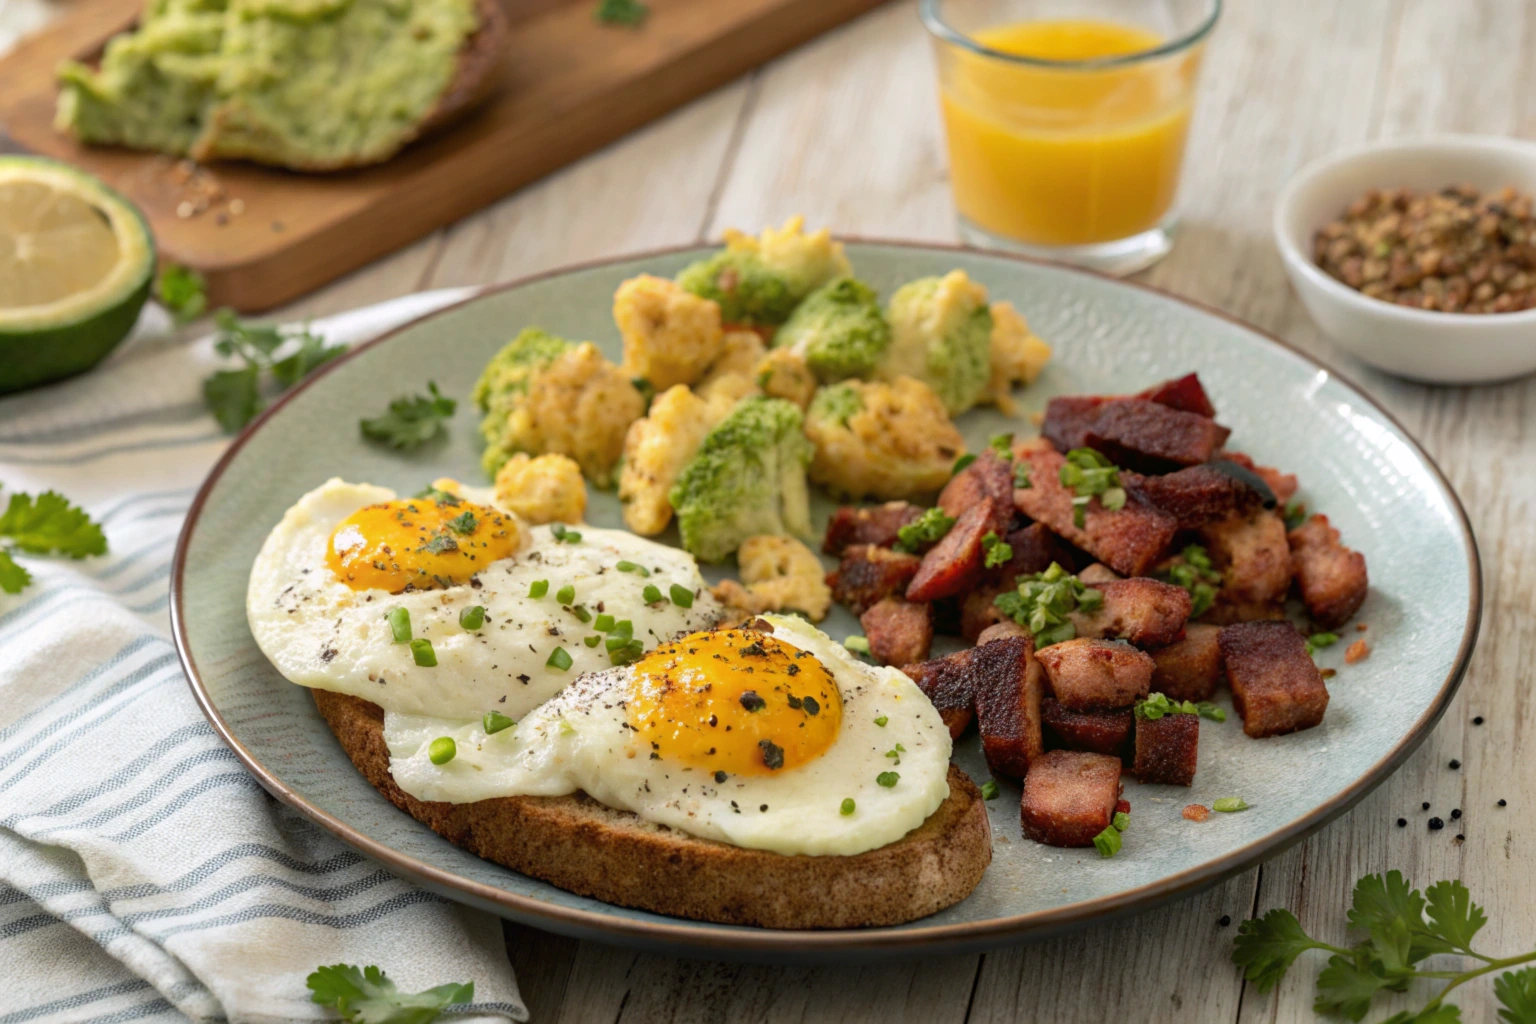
(961, 463)
(624, 628)
(592, 641)
(400, 624)
(1108, 842)
(421, 650)
(1317, 641)
(847, 806)
(558, 659)
(989, 790)
(472, 618)
(566, 595)
(856, 644)
(998, 552)
(928, 528)
(442, 750)
(1121, 821)
(604, 623)
(628, 566)
(622, 651)
(563, 535)
(1205, 709)
(651, 593)
(1002, 444)
(538, 588)
(681, 596)
(566, 728)
(1021, 471)
(494, 722)
(1230, 804)
(881, 721)
(887, 779)
(1157, 705)
(581, 613)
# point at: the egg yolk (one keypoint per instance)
(418, 543)
(736, 701)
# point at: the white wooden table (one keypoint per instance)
(846, 131)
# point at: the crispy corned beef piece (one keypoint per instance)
(1129, 540)
(1254, 559)
(954, 564)
(1189, 669)
(1282, 484)
(899, 632)
(869, 574)
(874, 525)
(1068, 419)
(1330, 576)
(1102, 732)
(1166, 749)
(1034, 549)
(1098, 573)
(1070, 797)
(1141, 610)
(1184, 393)
(1096, 675)
(947, 683)
(988, 479)
(1275, 684)
(1153, 438)
(1197, 495)
(1008, 684)
(1000, 630)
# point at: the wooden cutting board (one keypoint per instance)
(568, 85)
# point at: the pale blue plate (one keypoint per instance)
(1355, 463)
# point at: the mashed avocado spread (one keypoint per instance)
(306, 84)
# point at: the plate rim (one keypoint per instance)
(705, 938)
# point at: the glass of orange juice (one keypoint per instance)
(1066, 121)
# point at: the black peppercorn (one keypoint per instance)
(1426, 805)
(1456, 814)
(1455, 764)
(1402, 822)
(1224, 920)
(1478, 720)
(1435, 824)
(1503, 803)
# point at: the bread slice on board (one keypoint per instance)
(576, 843)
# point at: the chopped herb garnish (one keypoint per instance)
(566, 595)
(442, 750)
(1021, 471)
(1044, 601)
(1108, 842)
(581, 613)
(1090, 474)
(881, 721)
(681, 595)
(472, 618)
(1194, 571)
(566, 728)
(651, 593)
(847, 806)
(1157, 705)
(997, 551)
(1317, 641)
(564, 535)
(559, 660)
(927, 528)
(411, 421)
(494, 722)
(1295, 515)
(538, 588)
(603, 623)
(422, 652)
(623, 650)
(1208, 710)
(773, 754)
(592, 641)
(1002, 445)
(440, 496)
(463, 524)
(989, 790)
(627, 566)
(400, 624)
(887, 779)
(1121, 821)
(1229, 804)
(856, 644)
(234, 396)
(624, 628)
(960, 464)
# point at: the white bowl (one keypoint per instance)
(1444, 348)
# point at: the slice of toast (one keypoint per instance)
(576, 843)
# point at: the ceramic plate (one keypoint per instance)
(1355, 463)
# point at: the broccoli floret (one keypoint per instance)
(941, 333)
(836, 404)
(839, 330)
(747, 479)
(748, 291)
(503, 380)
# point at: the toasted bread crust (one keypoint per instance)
(580, 845)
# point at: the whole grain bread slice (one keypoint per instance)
(578, 844)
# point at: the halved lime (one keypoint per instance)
(76, 262)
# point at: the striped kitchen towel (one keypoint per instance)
(143, 874)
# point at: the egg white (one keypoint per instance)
(319, 632)
(579, 740)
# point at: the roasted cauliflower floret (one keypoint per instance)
(579, 405)
(941, 334)
(733, 374)
(777, 574)
(670, 335)
(656, 449)
(760, 280)
(783, 374)
(881, 439)
(747, 478)
(542, 489)
(504, 382)
(838, 330)
(1017, 356)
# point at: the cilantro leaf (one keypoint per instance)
(1381, 905)
(411, 420)
(1346, 986)
(1455, 917)
(368, 996)
(13, 578)
(1517, 991)
(182, 291)
(1267, 946)
(233, 398)
(312, 352)
(49, 524)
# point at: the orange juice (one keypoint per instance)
(1066, 154)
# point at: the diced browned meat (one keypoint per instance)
(1102, 732)
(1070, 797)
(954, 564)
(899, 632)
(869, 574)
(1069, 417)
(1283, 484)
(1191, 668)
(1166, 749)
(874, 525)
(1153, 438)
(1197, 495)
(1185, 393)
(1129, 540)
(1098, 573)
(1034, 549)
(1000, 631)
(989, 479)
(1255, 563)
(1330, 576)
(1008, 685)
(1275, 684)
(1141, 610)
(947, 682)
(979, 611)
(1096, 675)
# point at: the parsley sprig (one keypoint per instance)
(1194, 571)
(368, 996)
(1091, 475)
(412, 420)
(1044, 600)
(1393, 916)
(45, 525)
(234, 396)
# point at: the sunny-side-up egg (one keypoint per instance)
(775, 740)
(361, 592)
